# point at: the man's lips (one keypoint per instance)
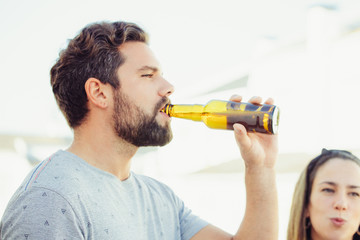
(163, 112)
(338, 221)
(163, 108)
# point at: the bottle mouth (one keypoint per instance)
(166, 109)
(275, 120)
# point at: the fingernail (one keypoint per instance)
(237, 128)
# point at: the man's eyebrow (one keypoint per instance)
(146, 68)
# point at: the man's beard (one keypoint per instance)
(135, 126)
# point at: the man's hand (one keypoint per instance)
(257, 149)
(259, 152)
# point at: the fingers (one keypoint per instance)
(254, 100)
(236, 98)
(269, 101)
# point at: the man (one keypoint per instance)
(110, 88)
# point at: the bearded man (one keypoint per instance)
(110, 88)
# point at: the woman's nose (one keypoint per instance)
(340, 203)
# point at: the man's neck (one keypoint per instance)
(104, 151)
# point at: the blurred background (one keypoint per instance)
(303, 53)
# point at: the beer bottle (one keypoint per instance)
(223, 114)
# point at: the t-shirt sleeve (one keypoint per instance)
(190, 224)
(40, 214)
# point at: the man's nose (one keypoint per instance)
(166, 89)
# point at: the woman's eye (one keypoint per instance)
(328, 190)
(354, 194)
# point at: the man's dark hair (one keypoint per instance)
(92, 53)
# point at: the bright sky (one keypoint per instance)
(201, 44)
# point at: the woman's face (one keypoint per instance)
(334, 207)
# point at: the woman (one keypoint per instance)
(326, 201)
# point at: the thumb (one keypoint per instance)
(241, 137)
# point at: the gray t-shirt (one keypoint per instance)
(66, 198)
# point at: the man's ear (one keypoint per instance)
(97, 92)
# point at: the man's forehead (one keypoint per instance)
(133, 48)
(139, 55)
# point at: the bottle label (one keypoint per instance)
(255, 118)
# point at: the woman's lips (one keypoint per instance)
(338, 222)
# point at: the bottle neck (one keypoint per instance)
(186, 111)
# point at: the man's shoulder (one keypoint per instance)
(56, 181)
(61, 173)
(54, 172)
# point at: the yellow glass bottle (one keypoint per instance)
(223, 114)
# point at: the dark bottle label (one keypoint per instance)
(255, 118)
